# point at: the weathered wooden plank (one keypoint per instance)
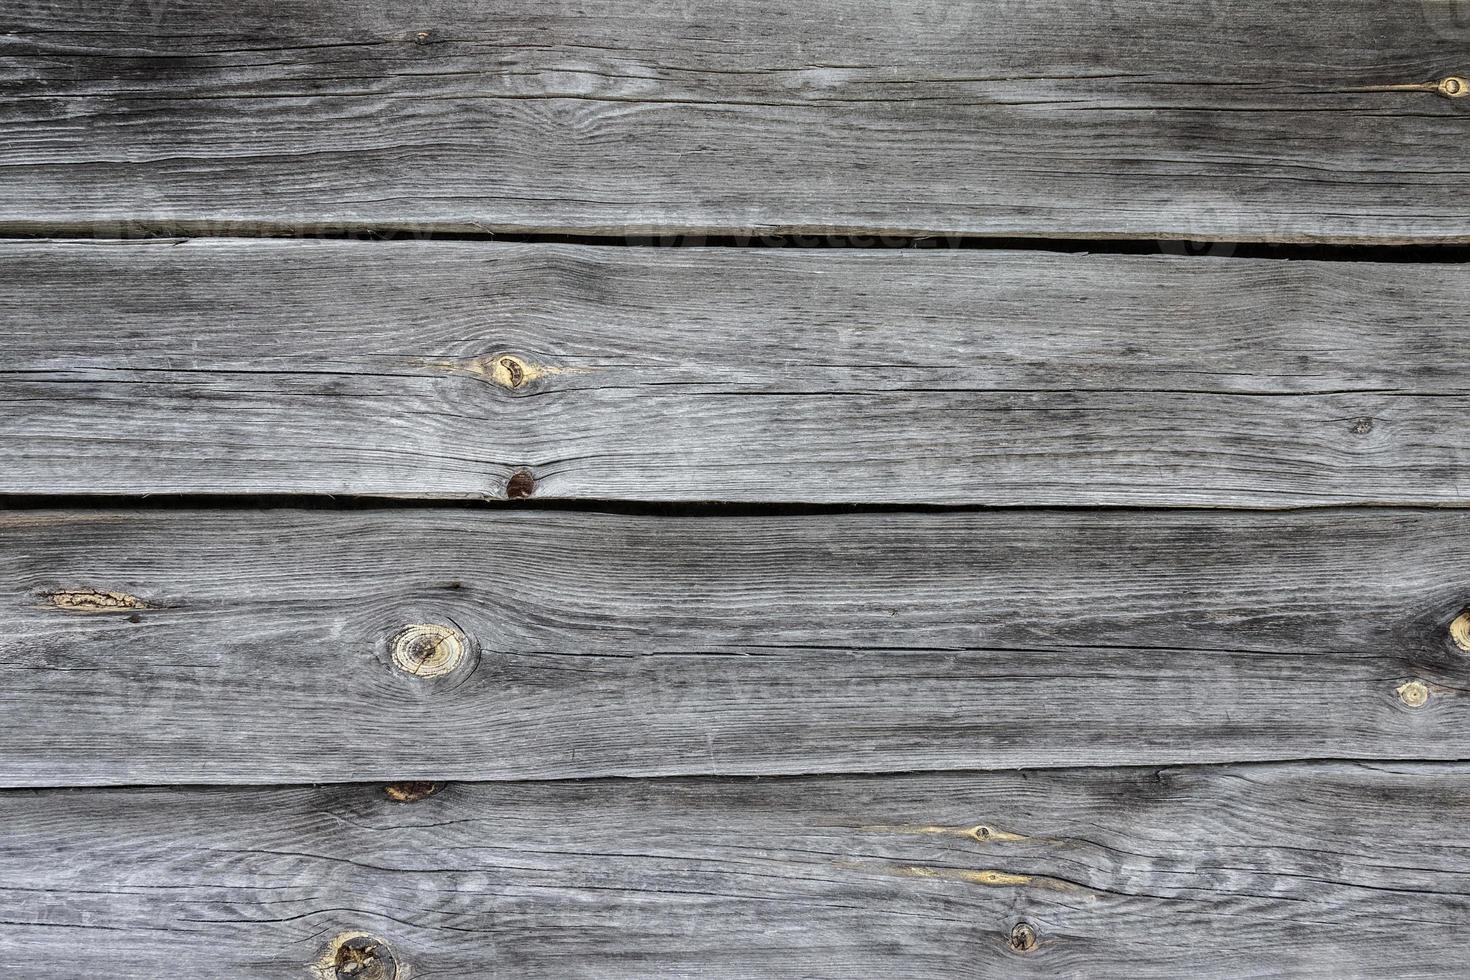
(1254, 119)
(441, 369)
(1332, 871)
(143, 647)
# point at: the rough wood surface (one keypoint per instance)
(1334, 872)
(441, 369)
(1253, 119)
(269, 646)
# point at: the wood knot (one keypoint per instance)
(515, 373)
(1460, 631)
(358, 956)
(411, 792)
(511, 372)
(1454, 87)
(504, 370)
(520, 485)
(1414, 694)
(1022, 938)
(1362, 426)
(423, 37)
(429, 650)
(93, 601)
(982, 833)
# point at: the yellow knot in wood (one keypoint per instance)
(94, 601)
(509, 371)
(1460, 631)
(429, 650)
(1454, 87)
(986, 834)
(1414, 694)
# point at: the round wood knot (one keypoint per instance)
(1414, 694)
(411, 792)
(1022, 938)
(358, 956)
(429, 650)
(1460, 631)
(520, 485)
(423, 37)
(1454, 87)
(510, 371)
(982, 833)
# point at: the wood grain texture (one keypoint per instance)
(1137, 118)
(242, 647)
(954, 377)
(1338, 872)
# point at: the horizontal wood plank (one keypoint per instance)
(147, 647)
(442, 369)
(1332, 871)
(1248, 120)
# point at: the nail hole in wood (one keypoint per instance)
(429, 650)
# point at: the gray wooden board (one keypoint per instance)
(256, 647)
(1241, 120)
(908, 376)
(1333, 871)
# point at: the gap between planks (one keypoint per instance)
(80, 503)
(1304, 763)
(866, 239)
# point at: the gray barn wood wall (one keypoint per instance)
(408, 569)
